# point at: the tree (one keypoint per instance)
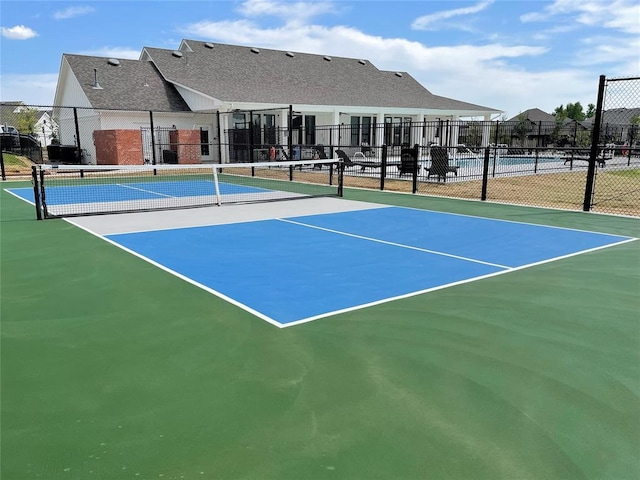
(26, 120)
(521, 129)
(574, 111)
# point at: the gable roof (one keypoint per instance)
(620, 116)
(237, 74)
(129, 85)
(233, 73)
(534, 115)
(9, 112)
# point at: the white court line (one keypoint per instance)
(280, 325)
(447, 285)
(19, 197)
(145, 190)
(410, 247)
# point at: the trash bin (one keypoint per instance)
(169, 156)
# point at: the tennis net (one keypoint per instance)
(73, 190)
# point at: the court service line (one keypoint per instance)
(401, 245)
(146, 191)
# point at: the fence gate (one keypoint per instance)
(616, 180)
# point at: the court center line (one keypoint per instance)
(435, 252)
(146, 191)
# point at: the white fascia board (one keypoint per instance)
(196, 100)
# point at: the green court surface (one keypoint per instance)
(115, 369)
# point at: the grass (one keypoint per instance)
(635, 173)
(16, 164)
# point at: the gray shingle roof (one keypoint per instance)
(8, 116)
(131, 85)
(534, 115)
(237, 74)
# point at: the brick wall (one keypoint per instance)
(124, 147)
(118, 147)
(186, 143)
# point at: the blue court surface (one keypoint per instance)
(119, 192)
(293, 270)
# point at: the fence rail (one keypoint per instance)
(592, 165)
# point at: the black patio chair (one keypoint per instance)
(440, 163)
(408, 161)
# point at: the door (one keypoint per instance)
(206, 148)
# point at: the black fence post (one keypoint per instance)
(36, 191)
(78, 145)
(383, 168)
(290, 133)
(414, 174)
(595, 140)
(153, 140)
(485, 173)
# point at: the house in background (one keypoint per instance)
(536, 128)
(203, 92)
(29, 121)
(620, 126)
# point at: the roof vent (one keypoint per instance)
(208, 45)
(177, 53)
(96, 85)
(114, 62)
(398, 74)
(327, 58)
(255, 50)
(362, 62)
(290, 54)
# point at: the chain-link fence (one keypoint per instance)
(617, 187)
(521, 162)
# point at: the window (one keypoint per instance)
(366, 130)
(255, 130)
(310, 129)
(355, 131)
(204, 142)
(269, 129)
(397, 130)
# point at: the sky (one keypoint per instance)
(510, 55)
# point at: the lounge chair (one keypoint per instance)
(361, 162)
(408, 160)
(440, 163)
(584, 156)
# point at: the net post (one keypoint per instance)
(340, 177)
(43, 198)
(217, 186)
(36, 191)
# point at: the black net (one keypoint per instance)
(68, 190)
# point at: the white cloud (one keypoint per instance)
(115, 52)
(72, 12)
(300, 11)
(434, 20)
(19, 32)
(621, 15)
(611, 51)
(41, 88)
